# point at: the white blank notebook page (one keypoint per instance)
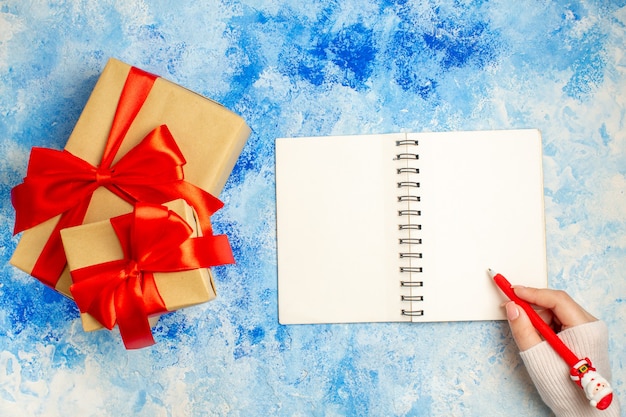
(480, 206)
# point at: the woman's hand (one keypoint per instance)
(558, 309)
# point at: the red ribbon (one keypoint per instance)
(59, 183)
(153, 239)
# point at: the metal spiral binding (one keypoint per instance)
(410, 241)
(412, 298)
(407, 156)
(408, 228)
(402, 198)
(411, 284)
(412, 313)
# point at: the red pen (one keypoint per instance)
(596, 388)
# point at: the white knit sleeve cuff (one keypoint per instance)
(551, 375)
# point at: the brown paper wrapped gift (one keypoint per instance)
(210, 137)
(96, 243)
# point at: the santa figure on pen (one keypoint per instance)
(596, 388)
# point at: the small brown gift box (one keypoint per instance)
(96, 243)
(210, 137)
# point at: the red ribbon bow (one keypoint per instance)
(58, 182)
(153, 239)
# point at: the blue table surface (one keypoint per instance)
(303, 69)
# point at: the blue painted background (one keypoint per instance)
(313, 68)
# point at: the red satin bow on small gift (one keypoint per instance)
(153, 239)
(58, 182)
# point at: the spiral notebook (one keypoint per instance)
(403, 227)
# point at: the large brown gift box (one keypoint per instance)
(210, 137)
(96, 243)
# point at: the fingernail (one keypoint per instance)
(512, 312)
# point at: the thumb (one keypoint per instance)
(522, 329)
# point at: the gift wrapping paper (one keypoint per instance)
(129, 118)
(304, 69)
(96, 243)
